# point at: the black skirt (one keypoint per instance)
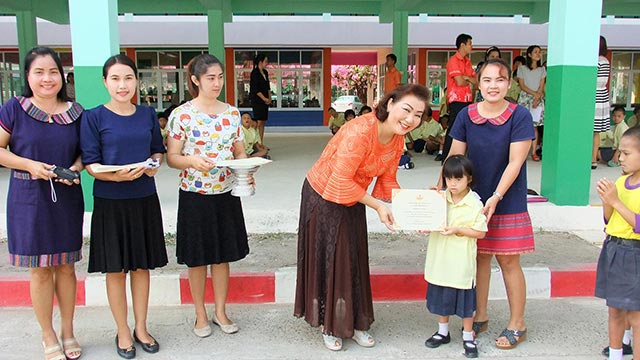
(210, 229)
(445, 301)
(126, 235)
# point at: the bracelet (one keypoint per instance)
(498, 195)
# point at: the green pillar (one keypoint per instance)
(94, 38)
(401, 41)
(215, 27)
(27, 33)
(570, 100)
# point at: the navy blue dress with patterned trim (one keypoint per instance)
(42, 232)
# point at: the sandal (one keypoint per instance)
(594, 165)
(511, 335)
(50, 350)
(535, 157)
(470, 348)
(363, 338)
(71, 346)
(332, 343)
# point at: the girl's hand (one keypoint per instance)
(490, 207)
(449, 231)
(128, 174)
(607, 191)
(40, 170)
(385, 217)
(201, 163)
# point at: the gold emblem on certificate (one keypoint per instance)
(419, 209)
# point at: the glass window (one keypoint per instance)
(289, 59)
(290, 89)
(243, 79)
(272, 56)
(12, 58)
(311, 89)
(436, 83)
(244, 59)
(186, 56)
(636, 61)
(147, 59)
(148, 85)
(621, 61)
(170, 81)
(437, 59)
(313, 58)
(619, 87)
(635, 89)
(66, 58)
(169, 59)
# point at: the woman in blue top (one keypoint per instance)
(38, 130)
(497, 135)
(126, 226)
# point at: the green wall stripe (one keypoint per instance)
(574, 30)
(568, 134)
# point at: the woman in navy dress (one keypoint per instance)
(126, 226)
(497, 135)
(44, 214)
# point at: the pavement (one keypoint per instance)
(560, 277)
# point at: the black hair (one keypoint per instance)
(258, 59)
(393, 57)
(521, 59)
(331, 108)
(602, 51)
(635, 109)
(529, 62)
(490, 50)
(442, 117)
(198, 66)
(28, 61)
(457, 166)
(634, 133)
(119, 59)
(246, 112)
(398, 93)
(427, 111)
(462, 39)
(364, 108)
(501, 63)
(349, 112)
(619, 108)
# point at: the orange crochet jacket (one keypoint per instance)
(351, 160)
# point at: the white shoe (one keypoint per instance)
(202, 332)
(363, 338)
(332, 343)
(227, 329)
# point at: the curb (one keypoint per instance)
(279, 287)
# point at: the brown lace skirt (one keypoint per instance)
(333, 288)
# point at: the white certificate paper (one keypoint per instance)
(419, 209)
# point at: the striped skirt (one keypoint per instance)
(508, 234)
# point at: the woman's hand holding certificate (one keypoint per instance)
(424, 210)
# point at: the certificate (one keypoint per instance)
(419, 209)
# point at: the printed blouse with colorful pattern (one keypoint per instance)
(208, 135)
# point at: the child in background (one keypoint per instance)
(618, 129)
(606, 150)
(450, 267)
(617, 273)
(634, 120)
(335, 121)
(349, 115)
(364, 110)
(252, 145)
(439, 140)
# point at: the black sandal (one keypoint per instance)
(470, 348)
(510, 335)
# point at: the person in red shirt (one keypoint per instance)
(460, 79)
(393, 76)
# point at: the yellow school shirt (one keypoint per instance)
(617, 225)
(249, 139)
(451, 260)
(432, 128)
(337, 121)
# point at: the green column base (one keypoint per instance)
(568, 134)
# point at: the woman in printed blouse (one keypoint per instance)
(333, 288)
(38, 130)
(211, 230)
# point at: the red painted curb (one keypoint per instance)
(398, 286)
(578, 281)
(244, 288)
(14, 291)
